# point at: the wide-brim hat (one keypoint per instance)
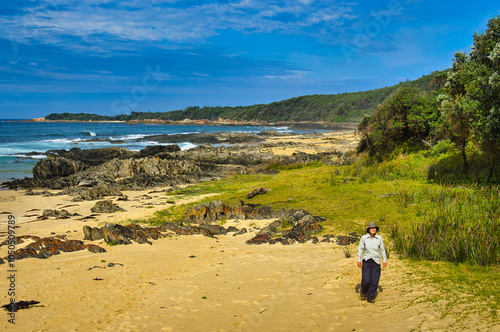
(371, 225)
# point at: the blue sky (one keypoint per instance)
(114, 57)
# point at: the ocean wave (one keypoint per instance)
(127, 137)
(62, 140)
(187, 146)
(35, 156)
(90, 133)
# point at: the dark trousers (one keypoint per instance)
(370, 275)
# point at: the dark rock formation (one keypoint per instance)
(92, 233)
(216, 210)
(345, 240)
(119, 234)
(204, 229)
(92, 194)
(105, 207)
(205, 138)
(59, 214)
(242, 231)
(271, 228)
(300, 232)
(153, 150)
(49, 246)
(207, 213)
(258, 191)
(259, 239)
(15, 306)
(153, 166)
(56, 167)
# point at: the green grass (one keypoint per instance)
(465, 289)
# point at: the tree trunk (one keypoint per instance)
(490, 173)
(464, 157)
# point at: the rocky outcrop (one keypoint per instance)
(105, 207)
(205, 138)
(345, 240)
(54, 167)
(205, 229)
(50, 246)
(58, 214)
(91, 233)
(258, 191)
(158, 165)
(92, 194)
(152, 150)
(304, 226)
(216, 210)
(119, 234)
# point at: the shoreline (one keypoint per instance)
(221, 122)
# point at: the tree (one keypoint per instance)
(472, 104)
(407, 118)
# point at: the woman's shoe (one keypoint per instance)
(371, 300)
(362, 296)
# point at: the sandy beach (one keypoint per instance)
(197, 283)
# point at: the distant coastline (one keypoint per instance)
(220, 122)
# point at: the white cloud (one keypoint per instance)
(287, 75)
(83, 25)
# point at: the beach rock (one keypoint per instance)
(258, 191)
(105, 207)
(152, 150)
(207, 213)
(92, 194)
(242, 231)
(49, 246)
(119, 234)
(345, 240)
(92, 233)
(116, 234)
(215, 229)
(204, 229)
(274, 133)
(307, 225)
(328, 238)
(205, 138)
(59, 214)
(216, 210)
(95, 249)
(56, 167)
(271, 228)
(93, 157)
(300, 232)
(2, 261)
(15, 306)
(259, 239)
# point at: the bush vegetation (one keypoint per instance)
(343, 107)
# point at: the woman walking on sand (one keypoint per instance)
(372, 245)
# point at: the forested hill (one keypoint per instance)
(344, 107)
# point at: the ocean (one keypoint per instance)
(22, 143)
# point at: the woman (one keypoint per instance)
(372, 245)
